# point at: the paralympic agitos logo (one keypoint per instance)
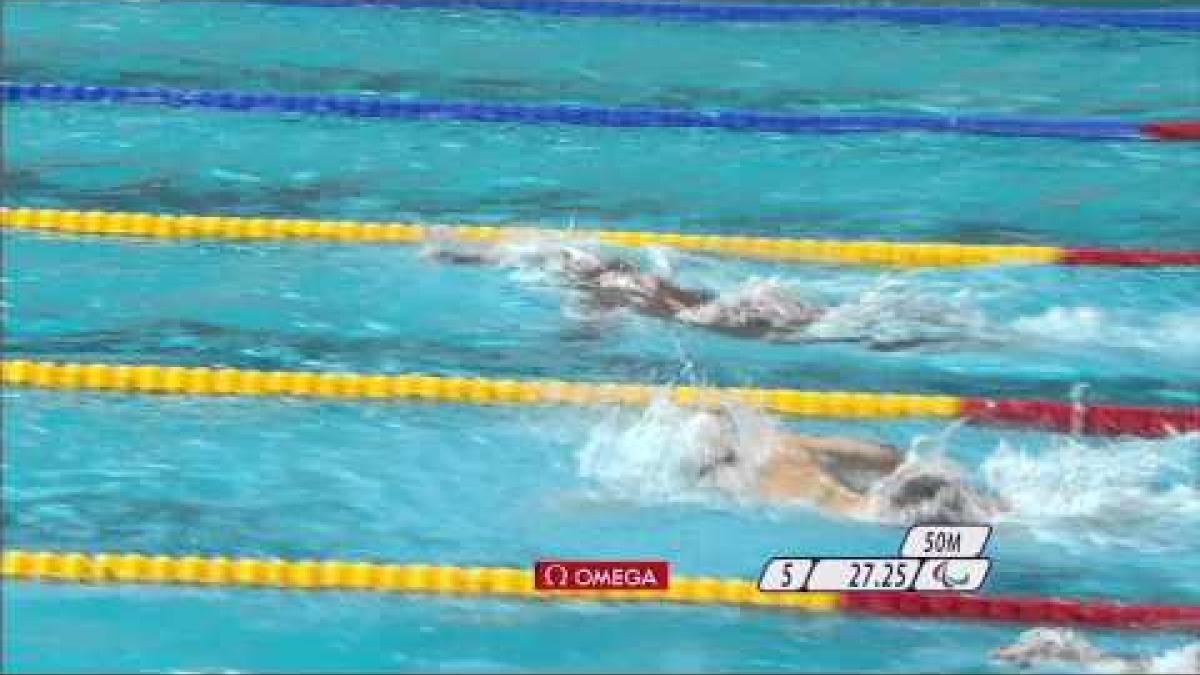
(943, 573)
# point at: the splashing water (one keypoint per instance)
(1062, 646)
(535, 258)
(662, 260)
(1044, 646)
(768, 303)
(1182, 661)
(653, 455)
(895, 313)
(891, 314)
(1175, 333)
(1133, 493)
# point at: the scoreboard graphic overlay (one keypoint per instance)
(932, 558)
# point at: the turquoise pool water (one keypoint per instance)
(502, 486)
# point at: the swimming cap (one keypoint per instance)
(916, 494)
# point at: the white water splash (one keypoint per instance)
(652, 455)
(663, 261)
(1133, 493)
(1182, 661)
(757, 302)
(893, 312)
(1044, 646)
(1176, 333)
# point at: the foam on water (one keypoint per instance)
(651, 455)
(1175, 333)
(769, 302)
(1182, 661)
(896, 312)
(1136, 493)
(1045, 646)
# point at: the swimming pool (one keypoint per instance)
(482, 485)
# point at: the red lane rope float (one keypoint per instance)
(1107, 420)
(1183, 130)
(1052, 611)
(1099, 256)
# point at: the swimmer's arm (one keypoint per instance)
(688, 297)
(864, 454)
(461, 257)
(800, 479)
(678, 297)
(834, 496)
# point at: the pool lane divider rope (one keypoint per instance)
(157, 226)
(1148, 421)
(601, 116)
(515, 583)
(1067, 17)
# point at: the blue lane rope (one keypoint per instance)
(377, 106)
(1174, 19)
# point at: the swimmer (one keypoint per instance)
(846, 476)
(611, 283)
(1063, 647)
(759, 309)
(620, 284)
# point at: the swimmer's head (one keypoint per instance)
(713, 435)
(921, 495)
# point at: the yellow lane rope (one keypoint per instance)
(132, 568)
(236, 382)
(514, 583)
(158, 226)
